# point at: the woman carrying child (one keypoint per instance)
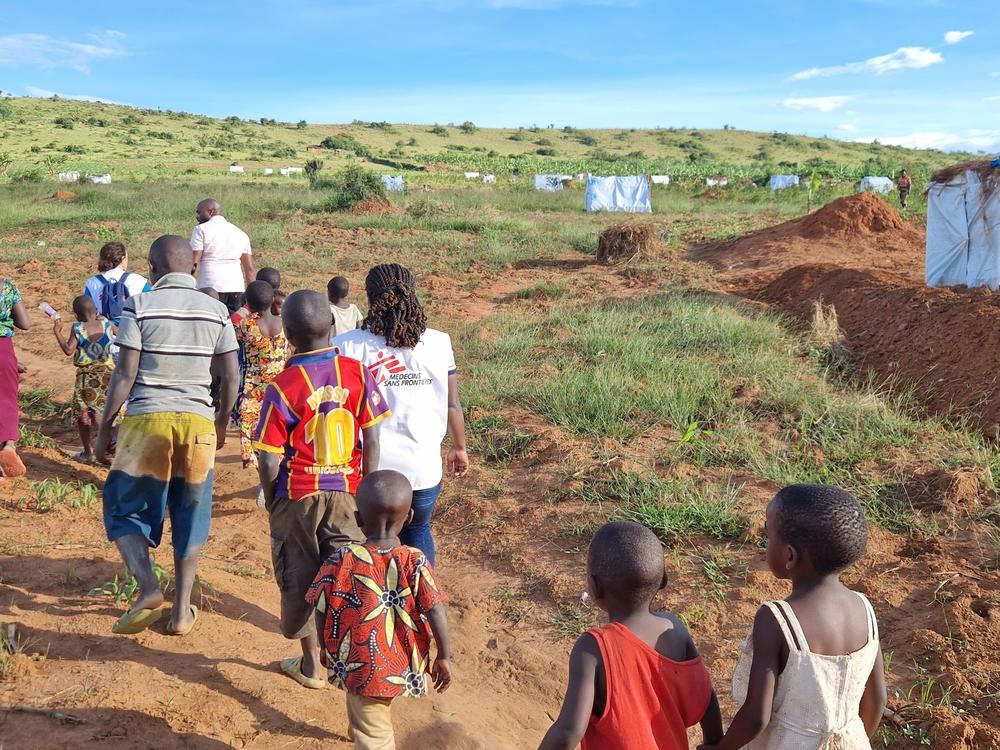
(90, 343)
(810, 675)
(265, 351)
(12, 315)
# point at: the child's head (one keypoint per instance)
(384, 499)
(337, 289)
(84, 308)
(259, 296)
(305, 317)
(210, 292)
(271, 275)
(279, 301)
(814, 529)
(625, 565)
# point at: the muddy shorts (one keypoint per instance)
(303, 534)
(164, 463)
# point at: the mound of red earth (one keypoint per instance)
(859, 231)
(941, 342)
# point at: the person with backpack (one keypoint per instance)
(113, 283)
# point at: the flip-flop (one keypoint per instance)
(292, 666)
(136, 621)
(11, 464)
(188, 629)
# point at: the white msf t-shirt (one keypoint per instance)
(223, 244)
(414, 382)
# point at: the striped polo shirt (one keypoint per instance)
(176, 330)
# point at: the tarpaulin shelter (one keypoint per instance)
(660, 179)
(782, 181)
(963, 226)
(549, 183)
(630, 194)
(393, 184)
(880, 185)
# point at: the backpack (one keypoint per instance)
(113, 296)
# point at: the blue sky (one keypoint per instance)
(918, 73)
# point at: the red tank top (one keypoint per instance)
(651, 700)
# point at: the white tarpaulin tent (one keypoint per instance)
(99, 179)
(618, 194)
(471, 175)
(69, 177)
(549, 183)
(235, 169)
(880, 185)
(489, 179)
(660, 179)
(268, 170)
(782, 181)
(393, 184)
(963, 231)
(716, 181)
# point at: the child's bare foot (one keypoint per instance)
(152, 600)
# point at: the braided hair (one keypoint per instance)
(393, 308)
(825, 521)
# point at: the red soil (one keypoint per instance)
(859, 231)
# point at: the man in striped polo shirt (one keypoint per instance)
(169, 338)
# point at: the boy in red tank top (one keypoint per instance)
(637, 683)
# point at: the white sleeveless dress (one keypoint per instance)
(818, 697)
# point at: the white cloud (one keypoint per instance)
(41, 51)
(551, 4)
(979, 140)
(902, 59)
(954, 37)
(46, 94)
(818, 103)
(991, 98)
(848, 128)
(995, 74)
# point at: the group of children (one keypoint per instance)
(809, 675)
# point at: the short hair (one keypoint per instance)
(271, 275)
(112, 255)
(259, 296)
(82, 305)
(337, 288)
(628, 559)
(825, 522)
(209, 292)
(306, 313)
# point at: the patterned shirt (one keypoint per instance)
(376, 639)
(9, 296)
(313, 414)
(90, 352)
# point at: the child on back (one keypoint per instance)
(810, 674)
(89, 343)
(638, 682)
(377, 608)
(346, 315)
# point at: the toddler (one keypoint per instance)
(346, 315)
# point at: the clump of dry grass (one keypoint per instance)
(622, 243)
(826, 337)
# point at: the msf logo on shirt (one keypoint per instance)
(385, 366)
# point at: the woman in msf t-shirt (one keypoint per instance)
(414, 366)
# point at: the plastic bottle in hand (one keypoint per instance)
(49, 310)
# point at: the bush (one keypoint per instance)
(411, 142)
(468, 127)
(439, 130)
(28, 175)
(354, 184)
(300, 125)
(281, 152)
(162, 135)
(97, 122)
(313, 167)
(545, 151)
(268, 121)
(346, 143)
(75, 149)
(588, 140)
(66, 123)
(6, 111)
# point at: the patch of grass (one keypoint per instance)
(673, 508)
(498, 441)
(245, 571)
(544, 290)
(124, 588)
(32, 437)
(570, 620)
(40, 404)
(51, 493)
(510, 603)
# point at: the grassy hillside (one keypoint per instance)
(40, 137)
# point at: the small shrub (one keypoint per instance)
(27, 175)
(283, 152)
(66, 123)
(35, 149)
(587, 140)
(545, 151)
(268, 121)
(75, 149)
(423, 208)
(468, 127)
(313, 167)
(131, 119)
(439, 130)
(543, 142)
(6, 111)
(354, 184)
(97, 122)
(161, 135)
(411, 142)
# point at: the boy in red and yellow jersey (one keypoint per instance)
(311, 462)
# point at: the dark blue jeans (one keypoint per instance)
(417, 533)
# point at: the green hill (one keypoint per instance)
(40, 137)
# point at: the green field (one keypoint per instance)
(40, 137)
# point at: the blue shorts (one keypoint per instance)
(164, 463)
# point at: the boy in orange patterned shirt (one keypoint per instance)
(377, 607)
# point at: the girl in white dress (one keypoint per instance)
(810, 674)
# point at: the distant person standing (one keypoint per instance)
(903, 184)
(223, 259)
